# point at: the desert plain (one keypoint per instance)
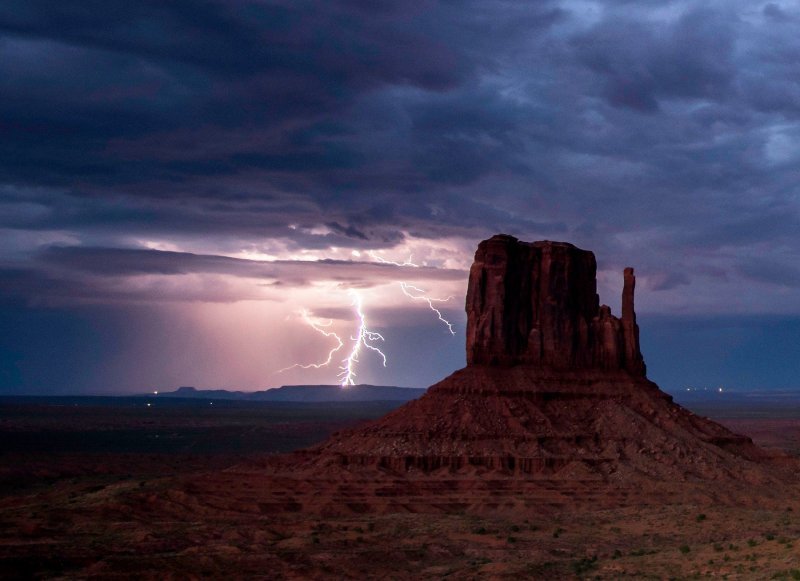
(108, 488)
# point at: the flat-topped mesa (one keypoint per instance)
(536, 303)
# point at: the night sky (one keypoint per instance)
(179, 180)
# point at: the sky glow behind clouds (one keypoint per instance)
(178, 180)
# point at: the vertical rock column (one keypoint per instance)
(634, 362)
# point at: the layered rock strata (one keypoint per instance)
(536, 303)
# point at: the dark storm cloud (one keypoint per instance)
(772, 272)
(351, 124)
(120, 70)
(349, 231)
(662, 135)
(667, 281)
(641, 63)
(775, 12)
(239, 101)
(60, 274)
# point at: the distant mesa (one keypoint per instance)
(304, 394)
(553, 409)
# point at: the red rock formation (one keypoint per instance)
(553, 408)
(536, 303)
(634, 362)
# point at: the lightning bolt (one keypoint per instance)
(318, 327)
(382, 260)
(409, 289)
(363, 338)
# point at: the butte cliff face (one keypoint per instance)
(553, 408)
(536, 303)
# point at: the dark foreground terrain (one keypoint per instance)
(46, 440)
(102, 488)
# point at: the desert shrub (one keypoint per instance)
(790, 574)
(511, 539)
(751, 543)
(700, 517)
(480, 531)
(584, 565)
(684, 549)
(557, 532)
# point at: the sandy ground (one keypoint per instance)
(72, 512)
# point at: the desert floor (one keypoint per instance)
(82, 489)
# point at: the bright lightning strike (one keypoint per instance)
(409, 291)
(363, 338)
(382, 260)
(318, 327)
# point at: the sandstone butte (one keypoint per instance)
(553, 410)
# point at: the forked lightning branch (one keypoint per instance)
(364, 338)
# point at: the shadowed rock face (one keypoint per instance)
(536, 303)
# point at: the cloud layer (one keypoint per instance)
(230, 151)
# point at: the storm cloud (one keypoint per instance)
(172, 140)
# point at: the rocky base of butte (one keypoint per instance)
(553, 409)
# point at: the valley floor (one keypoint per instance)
(82, 508)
